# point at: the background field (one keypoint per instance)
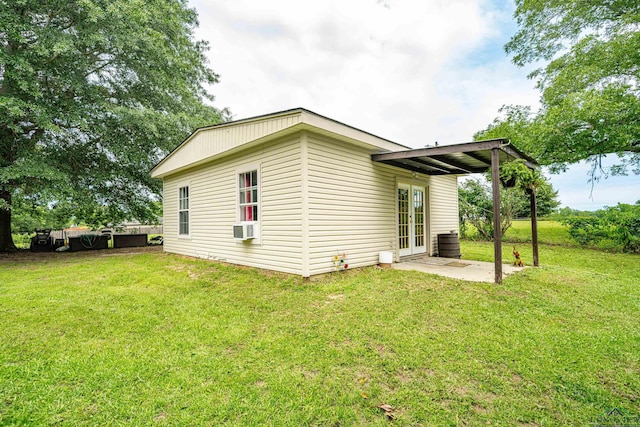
(549, 232)
(156, 339)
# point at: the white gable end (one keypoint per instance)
(208, 143)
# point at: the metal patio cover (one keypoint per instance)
(459, 159)
(466, 158)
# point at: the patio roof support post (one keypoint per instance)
(497, 230)
(534, 229)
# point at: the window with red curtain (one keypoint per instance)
(248, 196)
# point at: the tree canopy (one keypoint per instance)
(590, 84)
(93, 93)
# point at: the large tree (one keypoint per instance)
(590, 82)
(92, 94)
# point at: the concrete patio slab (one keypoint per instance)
(474, 271)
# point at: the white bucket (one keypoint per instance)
(385, 259)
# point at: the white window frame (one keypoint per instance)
(186, 209)
(252, 167)
(251, 192)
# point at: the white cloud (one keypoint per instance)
(394, 68)
(412, 71)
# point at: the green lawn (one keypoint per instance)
(156, 339)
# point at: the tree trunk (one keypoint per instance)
(6, 239)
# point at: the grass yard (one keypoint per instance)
(153, 339)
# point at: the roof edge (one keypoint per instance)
(291, 111)
(294, 111)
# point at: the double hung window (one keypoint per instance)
(183, 211)
(248, 195)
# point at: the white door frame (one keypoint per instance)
(411, 205)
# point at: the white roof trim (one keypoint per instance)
(262, 129)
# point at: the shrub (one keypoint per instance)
(626, 231)
(585, 230)
(618, 224)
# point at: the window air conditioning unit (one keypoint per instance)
(244, 231)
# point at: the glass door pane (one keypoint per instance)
(419, 217)
(403, 218)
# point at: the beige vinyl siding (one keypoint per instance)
(443, 202)
(320, 194)
(213, 209)
(170, 208)
(351, 204)
(209, 142)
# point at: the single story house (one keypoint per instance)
(298, 192)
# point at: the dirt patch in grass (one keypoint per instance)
(403, 377)
(192, 274)
(310, 374)
(23, 255)
(161, 417)
(331, 298)
(479, 409)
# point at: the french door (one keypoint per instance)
(411, 219)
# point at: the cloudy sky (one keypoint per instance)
(412, 71)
